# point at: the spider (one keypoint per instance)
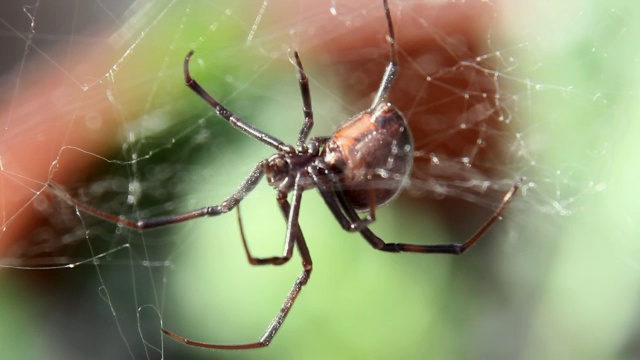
(361, 166)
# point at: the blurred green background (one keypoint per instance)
(559, 278)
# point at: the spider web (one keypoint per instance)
(93, 100)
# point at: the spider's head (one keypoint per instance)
(278, 173)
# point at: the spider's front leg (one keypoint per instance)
(307, 110)
(233, 119)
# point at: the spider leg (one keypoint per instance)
(293, 232)
(453, 249)
(329, 188)
(289, 241)
(306, 102)
(232, 201)
(233, 119)
(392, 68)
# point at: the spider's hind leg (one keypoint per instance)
(452, 249)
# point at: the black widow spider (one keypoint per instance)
(364, 164)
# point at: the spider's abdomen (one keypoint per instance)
(372, 154)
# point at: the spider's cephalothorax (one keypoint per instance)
(277, 169)
(283, 171)
(362, 165)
